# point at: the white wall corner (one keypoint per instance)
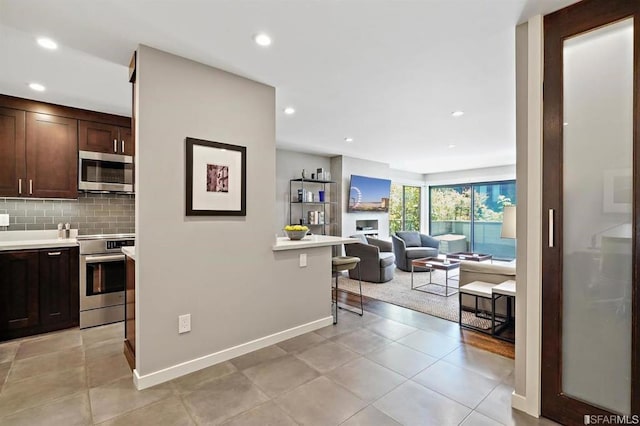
(530, 402)
(519, 402)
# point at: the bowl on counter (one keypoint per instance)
(296, 234)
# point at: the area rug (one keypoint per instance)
(398, 292)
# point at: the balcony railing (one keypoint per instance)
(486, 236)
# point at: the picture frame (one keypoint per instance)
(617, 196)
(216, 178)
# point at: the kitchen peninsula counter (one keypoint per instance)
(130, 252)
(310, 241)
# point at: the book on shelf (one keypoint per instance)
(315, 217)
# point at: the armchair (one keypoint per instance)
(410, 245)
(376, 259)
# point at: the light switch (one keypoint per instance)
(303, 260)
(4, 220)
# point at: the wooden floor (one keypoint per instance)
(410, 317)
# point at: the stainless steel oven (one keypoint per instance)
(105, 172)
(102, 278)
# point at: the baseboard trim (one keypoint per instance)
(519, 402)
(178, 370)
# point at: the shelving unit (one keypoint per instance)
(323, 213)
(367, 227)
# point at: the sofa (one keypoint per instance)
(376, 259)
(410, 245)
(489, 273)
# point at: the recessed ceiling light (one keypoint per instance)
(37, 87)
(47, 43)
(451, 146)
(289, 110)
(348, 140)
(262, 39)
(457, 113)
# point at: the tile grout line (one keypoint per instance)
(48, 402)
(186, 408)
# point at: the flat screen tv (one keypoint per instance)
(367, 194)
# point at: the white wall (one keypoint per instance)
(529, 60)
(343, 167)
(289, 165)
(356, 166)
(486, 174)
(221, 270)
(523, 204)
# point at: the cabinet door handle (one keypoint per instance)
(551, 226)
(20, 186)
(54, 253)
(115, 145)
(123, 146)
(30, 186)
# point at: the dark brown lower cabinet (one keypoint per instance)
(20, 291)
(38, 291)
(58, 292)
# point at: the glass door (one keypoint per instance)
(451, 212)
(590, 352)
(489, 200)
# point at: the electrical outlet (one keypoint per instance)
(303, 260)
(184, 323)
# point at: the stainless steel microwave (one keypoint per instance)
(105, 172)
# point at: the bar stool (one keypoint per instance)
(340, 264)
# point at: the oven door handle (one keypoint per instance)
(102, 258)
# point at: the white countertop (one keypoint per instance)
(23, 240)
(130, 252)
(284, 243)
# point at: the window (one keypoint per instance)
(404, 208)
(450, 212)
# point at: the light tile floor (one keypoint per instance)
(364, 371)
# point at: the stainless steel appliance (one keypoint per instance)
(105, 172)
(102, 278)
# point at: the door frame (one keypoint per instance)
(558, 26)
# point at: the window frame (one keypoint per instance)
(472, 200)
(403, 218)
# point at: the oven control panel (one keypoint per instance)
(117, 244)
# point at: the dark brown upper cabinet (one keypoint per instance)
(38, 155)
(52, 156)
(106, 138)
(12, 151)
(39, 145)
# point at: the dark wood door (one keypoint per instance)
(19, 291)
(126, 141)
(58, 285)
(52, 156)
(98, 137)
(591, 188)
(12, 152)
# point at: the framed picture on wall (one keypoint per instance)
(618, 191)
(216, 179)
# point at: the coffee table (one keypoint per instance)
(435, 263)
(470, 256)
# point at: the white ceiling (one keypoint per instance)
(387, 73)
